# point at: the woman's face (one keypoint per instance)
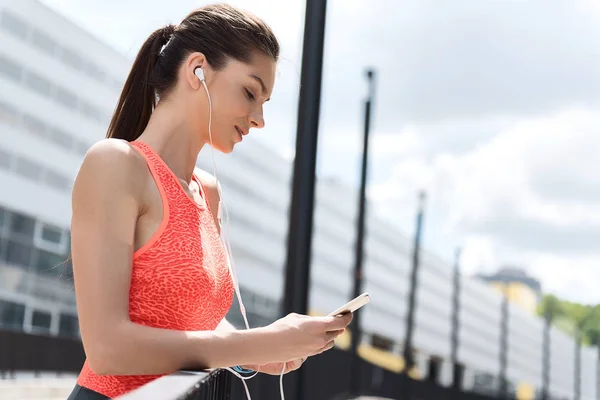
(238, 93)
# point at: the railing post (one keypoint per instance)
(410, 317)
(503, 390)
(454, 342)
(546, 349)
(577, 369)
(598, 373)
(297, 275)
(355, 328)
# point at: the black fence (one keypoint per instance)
(327, 377)
(20, 351)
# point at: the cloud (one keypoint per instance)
(506, 197)
(574, 277)
(464, 59)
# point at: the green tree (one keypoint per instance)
(568, 316)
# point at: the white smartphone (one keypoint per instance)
(352, 305)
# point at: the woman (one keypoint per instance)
(151, 277)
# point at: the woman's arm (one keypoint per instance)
(106, 205)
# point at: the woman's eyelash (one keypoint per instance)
(249, 94)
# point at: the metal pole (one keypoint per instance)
(577, 377)
(410, 318)
(504, 346)
(456, 378)
(297, 274)
(359, 246)
(598, 373)
(546, 356)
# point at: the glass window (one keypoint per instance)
(57, 181)
(37, 83)
(41, 321)
(68, 234)
(22, 225)
(71, 58)
(92, 112)
(27, 169)
(62, 138)
(82, 147)
(5, 159)
(10, 69)
(3, 218)
(65, 97)
(94, 72)
(14, 25)
(68, 326)
(11, 315)
(43, 42)
(52, 234)
(87, 109)
(34, 125)
(8, 113)
(48, 263)
(18, 254)
(2, 249)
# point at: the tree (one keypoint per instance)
(568, 316)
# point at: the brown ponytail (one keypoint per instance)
(138, 97)
(221, 32)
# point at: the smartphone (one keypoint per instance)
(352, 305)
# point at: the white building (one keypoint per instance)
(58, 87)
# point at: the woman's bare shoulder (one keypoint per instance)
(111, 164)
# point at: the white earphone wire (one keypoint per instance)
(227, 244)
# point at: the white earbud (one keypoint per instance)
(199, 72)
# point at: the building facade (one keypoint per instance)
(58, 86)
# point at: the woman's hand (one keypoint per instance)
(277, 368)
(299, 336)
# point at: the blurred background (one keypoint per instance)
(488, 107)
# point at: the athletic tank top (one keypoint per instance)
(180, 279)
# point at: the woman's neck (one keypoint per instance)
(171, 137)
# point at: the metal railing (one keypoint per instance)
(214, 385)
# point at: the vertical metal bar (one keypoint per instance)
(297, 276)
(577, 371)
(598, 373)
(410, 318)
(359, 245)
(454, 341)
(504, 346)
(546, 349)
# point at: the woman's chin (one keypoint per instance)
(225, 149)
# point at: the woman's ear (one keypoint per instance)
(194, 68)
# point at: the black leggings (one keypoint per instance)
(82, 393)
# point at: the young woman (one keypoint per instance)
(152, 280)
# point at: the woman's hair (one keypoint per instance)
(221, 32)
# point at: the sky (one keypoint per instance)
(490, 107)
